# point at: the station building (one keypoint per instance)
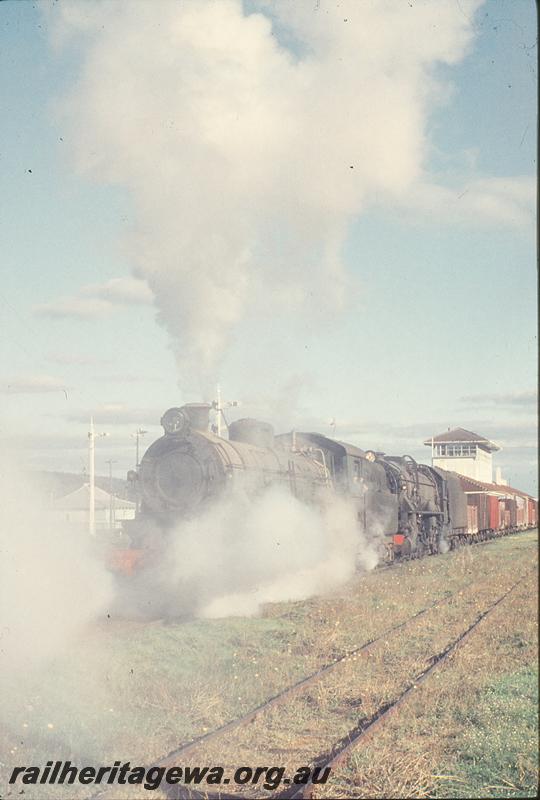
(110, 510)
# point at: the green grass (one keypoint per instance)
(497, 753)
(170, 682)
(132, 690)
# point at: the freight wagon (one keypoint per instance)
(496, 508)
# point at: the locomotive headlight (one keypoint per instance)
(174, 421)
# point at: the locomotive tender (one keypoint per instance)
(413, 508)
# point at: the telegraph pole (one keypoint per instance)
(218, 409)
(91, 486)
(138, 433)
(92, 477)
(112, 520)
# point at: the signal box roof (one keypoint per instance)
(463, 436)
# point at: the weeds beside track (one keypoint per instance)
(184, 677)
(341, 749)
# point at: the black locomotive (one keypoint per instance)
(412, 508)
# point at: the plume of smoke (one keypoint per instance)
(245, 551)
(50, 586)
(249, 138)
(444, 545)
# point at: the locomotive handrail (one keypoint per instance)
(323, 465)
(415, 470)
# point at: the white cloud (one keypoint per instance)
(123, 377)
(33, 384)
(73, 359)
(247, 157)
(118, 414)
(74, 307)
(96, 300)
(120, 291)
(510, 434)
(526, 400)
(477, 202)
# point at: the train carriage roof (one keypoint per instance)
(472, 485)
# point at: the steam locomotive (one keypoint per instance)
(413, 508)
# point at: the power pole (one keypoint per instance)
(112, 520)
(92, 477)
(91, 486)
(218, 409)
(138, 433)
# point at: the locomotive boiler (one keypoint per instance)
(189, 467)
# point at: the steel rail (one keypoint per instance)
(289, 691)
(284, 694)
(364, 731)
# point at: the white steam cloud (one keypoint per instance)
(249, 136)
(249, 550)
(50, 585)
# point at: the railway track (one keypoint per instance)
(362, 733)
(184, 749)
(342, 747)
(297, 687)
(357, 735)
(457, 543)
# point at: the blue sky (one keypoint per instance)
(439, 325)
